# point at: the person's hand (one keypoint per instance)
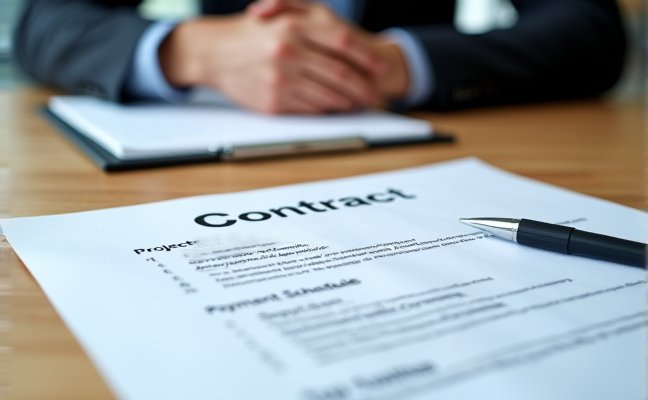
(302, 61)
(391, 81)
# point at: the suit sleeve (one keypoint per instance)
(557, 49)
(82, 46)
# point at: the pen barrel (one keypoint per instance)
(607, 248)
(543, 235)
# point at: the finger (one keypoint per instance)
(266, 9)
(320, 96)
(291, 102)
(346, 43)
(296, 104)
(285, 92)
(339, 76)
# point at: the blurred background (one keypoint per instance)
(473, 16)
(8, 11)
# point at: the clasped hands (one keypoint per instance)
(286, 56)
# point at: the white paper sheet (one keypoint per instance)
(366, 288)
(149, 130)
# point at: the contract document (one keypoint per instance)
(357, 288)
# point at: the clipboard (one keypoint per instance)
(109, 163)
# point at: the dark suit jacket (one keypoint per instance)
(558, 48)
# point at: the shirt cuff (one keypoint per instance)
(145, 79)
(421, 74)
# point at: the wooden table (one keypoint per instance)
(593, 147)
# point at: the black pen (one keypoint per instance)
(564, 239)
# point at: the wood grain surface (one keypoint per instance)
(595, 147)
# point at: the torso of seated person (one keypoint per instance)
(372, 15)
(557, 49)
